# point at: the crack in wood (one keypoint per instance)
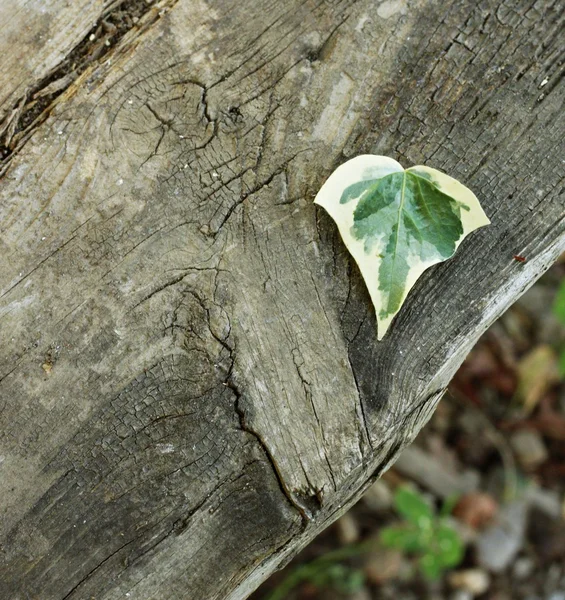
(305, 513)
(33, 108)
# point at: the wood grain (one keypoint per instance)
(190, 382)
(35, 39)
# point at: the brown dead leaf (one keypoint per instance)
(476, 509)
(538, 372)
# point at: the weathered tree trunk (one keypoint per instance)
(190, 382)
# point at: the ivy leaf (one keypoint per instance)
(397, 223)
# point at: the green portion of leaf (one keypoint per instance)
(402, 538)
(413, 507)
(431, 566)
(413, 219)
(355, 190)
(448, 545)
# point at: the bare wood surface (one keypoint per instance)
(36, 37)
(190, 383)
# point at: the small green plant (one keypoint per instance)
(424, 533)
(559, 312)
(327, 571)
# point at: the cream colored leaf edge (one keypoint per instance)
(369, 166)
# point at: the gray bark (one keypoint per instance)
(190, 383)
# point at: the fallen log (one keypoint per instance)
(191, 387)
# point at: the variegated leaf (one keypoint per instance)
(397, 223)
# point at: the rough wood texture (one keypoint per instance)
(36, 37)
(190, 383)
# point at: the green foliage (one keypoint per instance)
(413, 507)
(339, 577)
(327, 571)
(559, 311)
(425, 534)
